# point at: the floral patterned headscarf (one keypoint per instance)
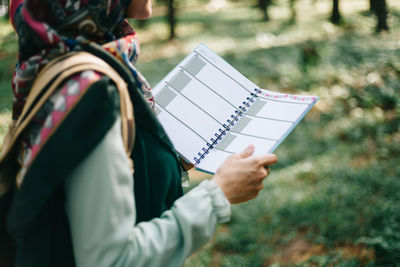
(50, 28)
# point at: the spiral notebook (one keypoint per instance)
(211, 111)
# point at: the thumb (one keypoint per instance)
(247, 152)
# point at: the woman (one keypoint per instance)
(77, 201)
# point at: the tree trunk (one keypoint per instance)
(335, 18)
(381, 13)
(171, 19)
(372, 6)
(293, 10)
(264, 4)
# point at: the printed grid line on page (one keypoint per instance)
(283, 101)
(211, 89)
(276, 97)
(215, 66)
(195, 104)
(183, 123)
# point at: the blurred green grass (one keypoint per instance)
(334, 197)
(8, 59)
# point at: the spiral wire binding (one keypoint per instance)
(227, 127)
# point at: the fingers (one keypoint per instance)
(267, 169)
(266, 160)
(260, 187)
(247, 152)
(261, 174)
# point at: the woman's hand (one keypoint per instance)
(240, 176)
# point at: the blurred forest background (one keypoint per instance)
(334, 197)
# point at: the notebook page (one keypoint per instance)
(267, 122)
(195, 100)
(187, 124)
(200, 100)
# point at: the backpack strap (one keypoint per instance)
(50, 78)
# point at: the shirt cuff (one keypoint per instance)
(221, 205)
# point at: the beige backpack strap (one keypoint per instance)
(55, 72)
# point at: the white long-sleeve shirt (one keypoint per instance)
(100, 206)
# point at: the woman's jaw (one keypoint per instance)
(139, 9)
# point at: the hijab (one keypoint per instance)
(49, 28)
